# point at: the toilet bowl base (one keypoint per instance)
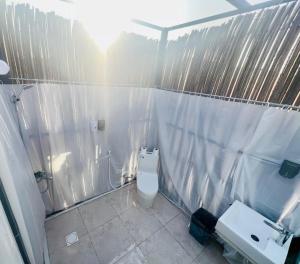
(146, 201)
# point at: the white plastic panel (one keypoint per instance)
(61, 135)
(214, 152)
(18, 180)
(9, 252)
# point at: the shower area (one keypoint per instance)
(221, 103)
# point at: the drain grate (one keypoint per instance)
(71, 239)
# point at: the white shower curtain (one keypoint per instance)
(18, 180)
(57, 126)
(215, 151)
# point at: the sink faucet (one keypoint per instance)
(284, 233)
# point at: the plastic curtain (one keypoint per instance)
(214, 152)
(9, 251)
(59, 127)
(18, 180)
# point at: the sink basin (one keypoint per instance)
(245, 230)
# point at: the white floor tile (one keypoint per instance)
(163, 209)
(178, 228)
(140, 223)
(79, 253)
(112, 241)
(115, 229)
(97, 213)
(123, 199)
(133, 257)
(162, 248)
(212, 254)
(60, 226)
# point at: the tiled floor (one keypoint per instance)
(115, 229)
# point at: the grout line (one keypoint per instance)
(94, 230)
(127, 227)
(123, 254)
(181, 212)
(138, 207)
(180, 244)
(132, 246)
(96, 227)
(176, 205)
(158, 230)
(93, 245)
(128, 207)
(82, 220)
(128, 231)
(172, 219)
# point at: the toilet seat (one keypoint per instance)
(147, 183)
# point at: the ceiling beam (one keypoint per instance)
(239, 4)
(147, 24)
(68, 1)
(230, 13)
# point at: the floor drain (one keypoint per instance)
(71, 238)
(255, 238)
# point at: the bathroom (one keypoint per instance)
(172, 137)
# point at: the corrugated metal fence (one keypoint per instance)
(40, 45)
(254, 56)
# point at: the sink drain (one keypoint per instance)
(255, 238)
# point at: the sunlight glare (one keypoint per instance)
(105, 20)
(58, 161)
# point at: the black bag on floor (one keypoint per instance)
(202, 225)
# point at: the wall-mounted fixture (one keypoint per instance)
(289, 169)
(97, 125)
(101, 125)
(17, 94)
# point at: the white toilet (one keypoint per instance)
(147, 177)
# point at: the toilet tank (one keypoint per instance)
(148, 160)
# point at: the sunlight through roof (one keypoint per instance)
(105, 19)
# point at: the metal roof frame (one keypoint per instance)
(239, 3)
(242, 7)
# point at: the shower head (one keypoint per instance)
(4, 68)
(27, 86)
(17, 93)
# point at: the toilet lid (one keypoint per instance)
(147, 182)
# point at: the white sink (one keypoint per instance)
(245, 230)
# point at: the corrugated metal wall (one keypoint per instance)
(254, 56)
(41, 45)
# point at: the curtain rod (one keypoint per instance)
(21, 81)
(234, 99)
(226, 98)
